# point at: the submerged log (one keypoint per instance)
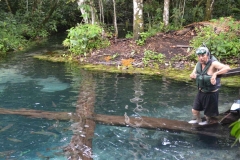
(215, 130)
(40, 114)
(80, 146)
(86, 123)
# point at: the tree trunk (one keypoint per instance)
(9, 8)
(166, 12)
(26, 5)
(53, 8)
(232, 72)
(101, 14)
(115, 19)
(137, 18)
(93, 15)
(209, 8)
(183, 10)
(83, 11)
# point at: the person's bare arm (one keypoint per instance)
(193, 75)
(221, 69)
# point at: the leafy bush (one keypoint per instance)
(151, 56)
(11, 35)
(235, 131)
(143, 37)
(129, 34)
(222, 40)
(153, 30)
(177, 17)
(85, 37)
(197, 13)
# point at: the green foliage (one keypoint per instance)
(33, 21)
(151, 57)
(151, 32)
(153, 22)
(153, 13)
(87, 9)
(33, 24)
(177, 18)
(197, 13)
(170, 27)
(223, 40)
(143, 37)
(11, 35)
(85, 37)
(226, 8)
(129, 34)
(235, 131)
(114, 56)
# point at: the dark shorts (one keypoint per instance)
(207, 102)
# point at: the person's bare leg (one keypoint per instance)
(209, 120)
(205, 122)
(196, 117)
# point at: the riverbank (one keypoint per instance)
(125, 56)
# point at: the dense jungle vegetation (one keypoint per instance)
(90, 23)
(26, 21)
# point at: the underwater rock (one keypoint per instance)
(50, 84)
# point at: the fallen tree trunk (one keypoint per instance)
(215, 130)
(40, 114)
(232, 72)
(183, 46)
(80, 146)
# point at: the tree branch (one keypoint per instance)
(9, 8)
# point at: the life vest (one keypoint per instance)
(203, 80)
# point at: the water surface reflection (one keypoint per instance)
(140, 95)
(32, 84)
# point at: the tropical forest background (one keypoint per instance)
(23, 22)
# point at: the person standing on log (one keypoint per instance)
(205, 72)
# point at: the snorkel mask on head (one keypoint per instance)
(202, 50)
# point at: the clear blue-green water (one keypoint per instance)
(32, 84)
(138, 95)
